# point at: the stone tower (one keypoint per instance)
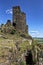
(19, 20)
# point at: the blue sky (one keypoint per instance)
(33, 10)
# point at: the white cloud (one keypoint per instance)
(34, 33)
(9, 11)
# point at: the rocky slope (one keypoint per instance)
(13, 49)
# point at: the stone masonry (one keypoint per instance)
(19, 20)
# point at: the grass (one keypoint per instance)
(24, 46)
(8, 44)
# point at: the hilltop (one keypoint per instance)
(13, 47)
(15, 42)
(14, 39)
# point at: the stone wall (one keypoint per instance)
(19, 18)
(8, 23)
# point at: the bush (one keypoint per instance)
(1, 30)
(22, 63)
(13, 32)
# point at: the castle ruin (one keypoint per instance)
(19, 20)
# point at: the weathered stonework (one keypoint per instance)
(8, 23)
(19, 20)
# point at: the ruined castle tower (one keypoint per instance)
(19, 20)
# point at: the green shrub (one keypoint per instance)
(13, 32)
(1, 30)
(22, 63)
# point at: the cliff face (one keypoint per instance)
(19, 20)
(13, 49)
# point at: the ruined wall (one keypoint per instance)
(19, 20)
(8, 23)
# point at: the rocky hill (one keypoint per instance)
(13, 48)
(17, 47)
